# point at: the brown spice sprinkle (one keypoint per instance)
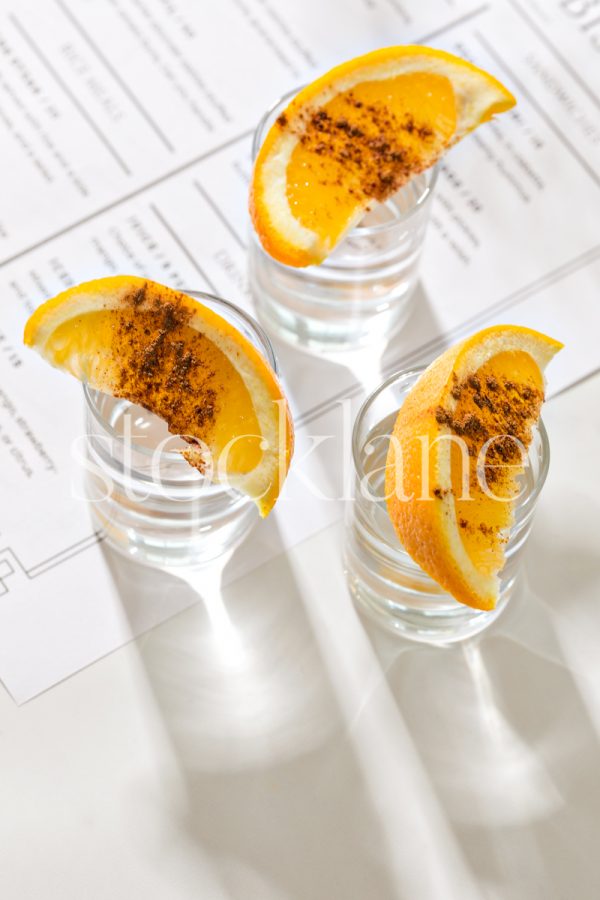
(164, 365)
(483, 416)
(371, 139)
(139, 296)
(482, 527)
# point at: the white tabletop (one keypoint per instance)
(278, 747)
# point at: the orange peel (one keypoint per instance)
(485, 392)
(166, 351)
(355, 136)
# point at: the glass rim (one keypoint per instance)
(172, 455)
(416, 372)
(430, 173)
(255, 326)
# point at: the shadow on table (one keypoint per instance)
(507, 726)
(274, 795)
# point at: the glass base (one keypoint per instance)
(436, 619)
(151, 546)
(384, 580)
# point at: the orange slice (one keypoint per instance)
(473, 411)
(159, 348)
(355, 136)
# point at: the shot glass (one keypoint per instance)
(383, 579)
(146, 500)
(364, 291)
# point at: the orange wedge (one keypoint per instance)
(159, 348)
(355, 136)
(473, 411)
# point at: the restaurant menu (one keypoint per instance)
(125, 131)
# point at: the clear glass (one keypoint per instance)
(149, 503)
(383, 579)
(364, 291)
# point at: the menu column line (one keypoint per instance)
(539, 109)
(555, 52)
(223, 219)
(425, 39)
(187, 253)
(122, 84)
(129, 196)
(83, 113)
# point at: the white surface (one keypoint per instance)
(513, 238)
(275, 750)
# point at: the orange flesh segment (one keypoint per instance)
(364, 144)
(169, 368)
(482, 396)
(508, 401)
